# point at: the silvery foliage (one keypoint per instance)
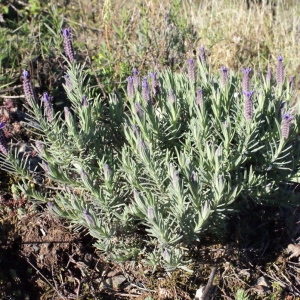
(152, 183)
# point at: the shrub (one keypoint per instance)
(151, 172)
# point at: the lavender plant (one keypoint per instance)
(173, 168)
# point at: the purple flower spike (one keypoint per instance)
(246, 79)
(84, 102)
(135, 130)
(50, 204)
(48, 106)
(220, 181)
(280, 71)
(269, 75)
(194, 178)
(28, 88)
(130, 87)
(84, 176)
(68, 82)
(138, 110)
(202, 55)
(199, 98)
(166, 255)
(136, 195)
(45, 167)
(3, 143)
(248, 111)
(107, 172)
(51, 207)
(171, 96)
(146, 91)
(89, 218)
(176, 178)
(219, 150)
(292, 82)
(67, 114)
(155, 85)
(142, 147)
(68, 45)
(286, 124)
(39, 146)
(191, 70)
(281, 108)
(136, 79)
(150, 212)
(224, 71)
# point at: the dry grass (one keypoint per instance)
(236, 35)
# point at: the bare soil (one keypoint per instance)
(41, 257)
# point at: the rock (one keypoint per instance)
(164, 293)
(88, 258)
(260, 289)
(294, 249)
(112, 283)
(199, 293)
(263, 281)
(245, 273)
(35, 247)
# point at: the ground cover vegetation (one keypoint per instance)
(165, 137)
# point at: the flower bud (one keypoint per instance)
(68, 82)
(150, 212)
(146, 91)
(155, 85)
(107, 172)
(84, 102)
(224, 79)
(269, 75)
(202, 55)
(48, 106)
(171, 96)
(89, 218)
(176, 178)
(39, 146)
(138, 110)
(136, 79)
(166, 255)
(292, 82)
(199, 98)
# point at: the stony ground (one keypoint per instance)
(43, 258)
